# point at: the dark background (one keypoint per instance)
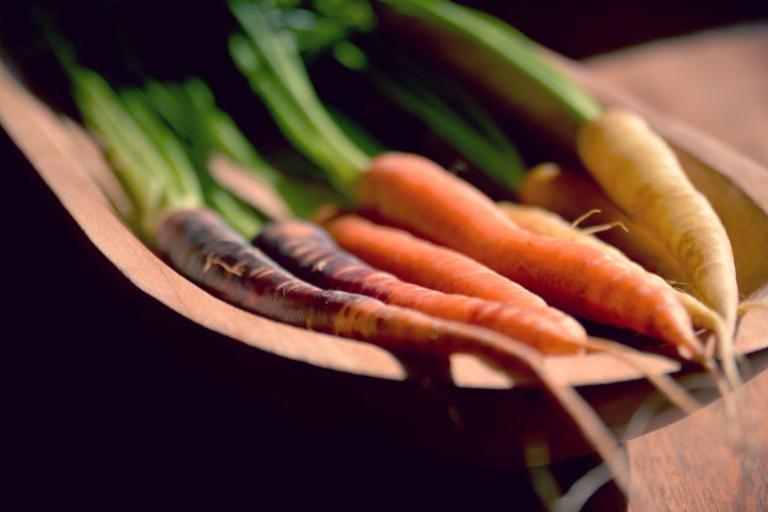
(103, 408)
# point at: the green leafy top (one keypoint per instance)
(157, 180)
(269, 55)
(157, 169)
(509, 45)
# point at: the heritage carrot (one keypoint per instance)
(418, 261)
(309, 252)
(415, 193)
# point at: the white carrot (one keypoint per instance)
(640, 172)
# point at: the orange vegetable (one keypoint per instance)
(415, 193)
(308, 252)
(544, 222)
(201, 246)
(424, 263)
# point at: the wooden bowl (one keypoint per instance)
(347, 385)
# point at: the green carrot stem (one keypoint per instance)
(511, 47)
(270, 59)
(180, 163)
(190, 109)
(482, 142)
(147, 157)
(138, 162)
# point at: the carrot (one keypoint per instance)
(205, 249)
(310, 253)
(570, 194)
(422, 262)
(426, 264)
(416, 193)
(544, 222)
(640, 172)
(163, 181)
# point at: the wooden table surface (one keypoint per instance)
(716, 81)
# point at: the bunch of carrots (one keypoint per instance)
(408, 255)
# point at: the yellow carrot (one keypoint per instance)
(641, 174)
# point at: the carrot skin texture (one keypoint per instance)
(421, 262)
(415, 193)
(308, 252)
(543, 222)
(641, 173)
(201, 246)
(571, 194)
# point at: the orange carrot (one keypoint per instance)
(405, 255)
(307, 251)
(544, 222)
(426, 264)
(415, 193)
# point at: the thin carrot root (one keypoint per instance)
(626, 157)
(701, 315)
(584, 216)
(601, 228)
(593, 429)
(675, 393)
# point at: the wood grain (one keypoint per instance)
(716, 81)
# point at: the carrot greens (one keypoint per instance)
(453, 115)
(536, 81)
(267, 54)
(154, 166)
(190, 109)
